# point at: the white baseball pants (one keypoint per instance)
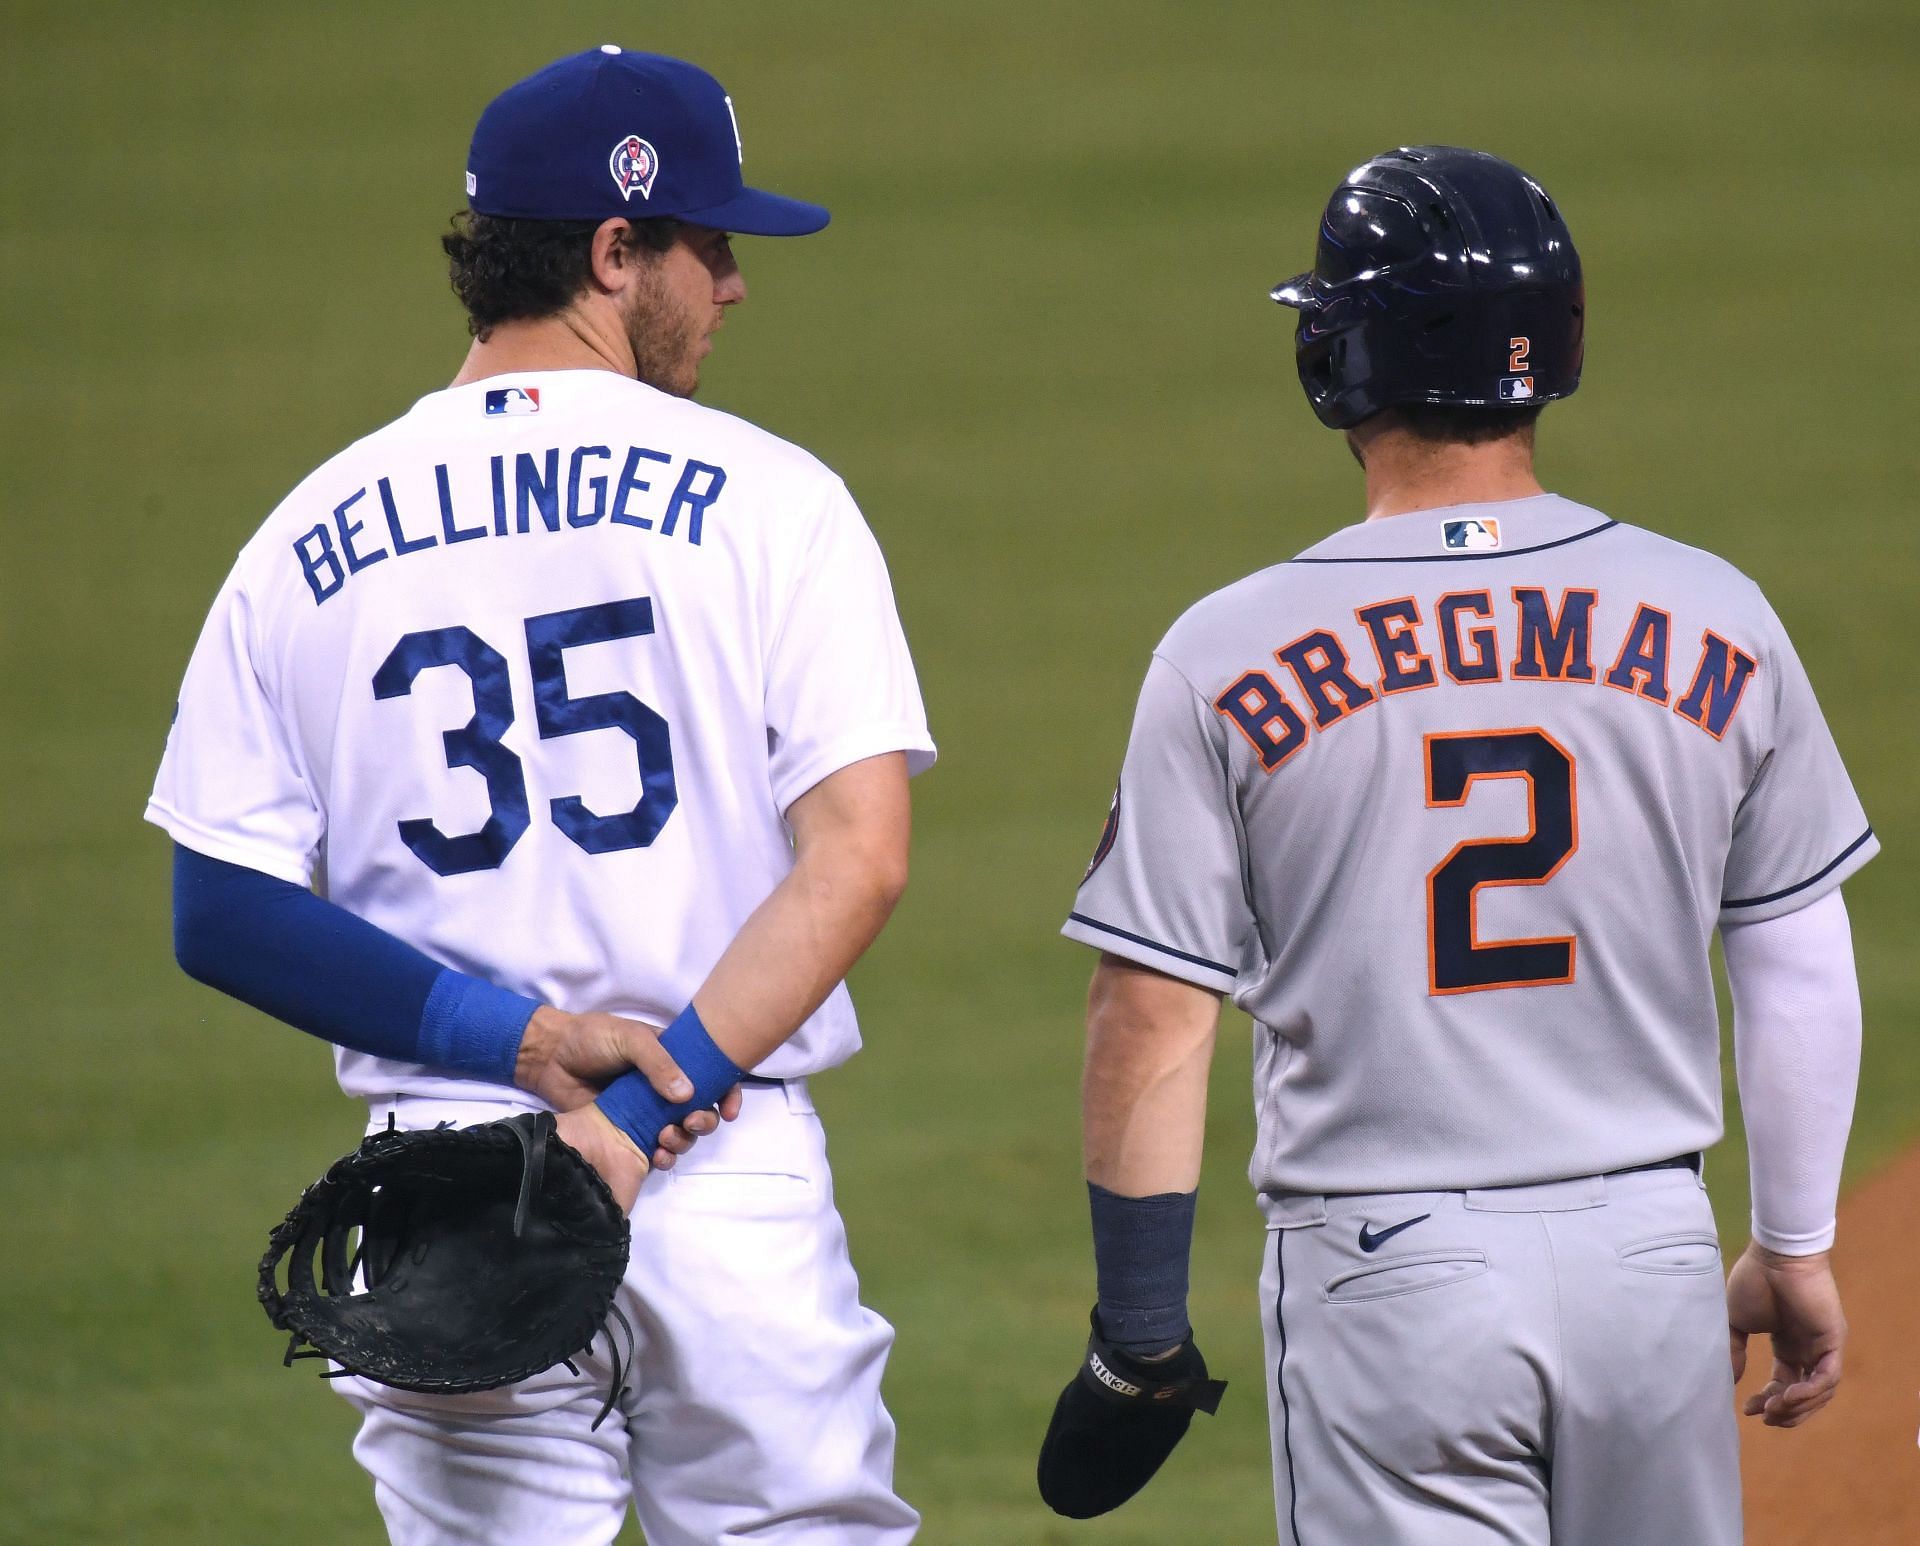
(753, 1409)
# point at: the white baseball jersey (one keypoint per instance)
(1451, 804)
(529, 677)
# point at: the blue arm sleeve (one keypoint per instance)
(304, 960)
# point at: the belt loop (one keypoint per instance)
(1293, 1210)
(1546, 1197)
(799, 1099)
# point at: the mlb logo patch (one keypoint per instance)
(1515, 389)
(510, 402)
(1471, 536)
(634, 165)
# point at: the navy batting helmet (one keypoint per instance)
(1442, 276)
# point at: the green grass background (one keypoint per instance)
(1036, 342)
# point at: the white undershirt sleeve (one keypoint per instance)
(1796, 1047)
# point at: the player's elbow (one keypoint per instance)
(887, 876)
(862, 879)
(195, 948)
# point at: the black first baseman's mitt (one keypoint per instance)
(486, 1255)
(1117, 1421)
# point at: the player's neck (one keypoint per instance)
(1407, 473)
(576, 339)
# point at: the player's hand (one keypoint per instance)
(611, 1152)
(1117, 1421)
(567, 1060)
(1796, 1302)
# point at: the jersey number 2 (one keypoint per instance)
(478, 745)
(1457, 962)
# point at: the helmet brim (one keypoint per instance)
(1302, 293)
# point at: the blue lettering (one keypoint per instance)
(1261, 713)
(401, 544)
(1331, 690)
(499, 496)
(453, 533)
(1718, 685)
(1553, 649)
(598, 485)
(355, 563)
(1642, 666)
(320, 565)
(694, 501)
(538, 486)
(631, 482)
(1402, 665)
(1484, 664)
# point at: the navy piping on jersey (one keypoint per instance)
(1153, 944)
(1774, 896)
(1280, 1381)
(1462, 558)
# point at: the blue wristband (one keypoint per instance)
(640, 1111)
(473, 1027)
(1141, 1247)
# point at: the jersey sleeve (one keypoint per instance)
(229, 786)
(1167, 884)
(1799, 830)
(840, 681)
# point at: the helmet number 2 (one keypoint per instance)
(1517, 351)
(1457, 960)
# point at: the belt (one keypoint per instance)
(1677, 1162)
(763, 1082)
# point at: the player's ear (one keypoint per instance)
(614, 255)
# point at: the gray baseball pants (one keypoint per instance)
(1522, 1366)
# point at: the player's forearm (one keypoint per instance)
(1144, 1107)
(1796, 1005)
(851, 833)
(797, 946)
(1144, 1089)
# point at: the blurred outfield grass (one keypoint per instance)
(1035, 341)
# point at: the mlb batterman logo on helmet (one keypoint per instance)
(634, 166)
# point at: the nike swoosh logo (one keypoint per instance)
(1372, 1240)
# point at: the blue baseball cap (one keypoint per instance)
(612, 133)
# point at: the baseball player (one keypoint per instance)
(1452, 804)
(558, 711)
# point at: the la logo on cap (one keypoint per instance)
(634, 165)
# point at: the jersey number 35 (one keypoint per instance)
(477, 744)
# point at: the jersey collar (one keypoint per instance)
(1461, 533)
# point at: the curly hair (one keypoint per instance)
(509, 270)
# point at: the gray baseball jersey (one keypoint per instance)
(1451, 805)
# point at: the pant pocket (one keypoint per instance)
(1411, 1274)
(1689, 1253)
